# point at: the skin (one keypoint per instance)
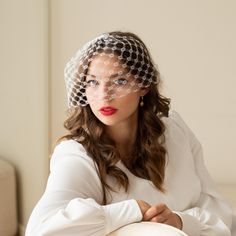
(159, 213)
(125, 119)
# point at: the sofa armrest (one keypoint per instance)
(147, 228)
(8, 212)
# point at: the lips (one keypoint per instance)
(108, 111)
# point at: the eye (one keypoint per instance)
(92, 83)
(120, 81)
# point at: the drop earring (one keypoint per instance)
(142, 102)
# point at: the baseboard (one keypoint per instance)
(21, 229)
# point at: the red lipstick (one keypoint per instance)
(108, 111)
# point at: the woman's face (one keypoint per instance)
(108, 93)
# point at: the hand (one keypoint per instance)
(144, 206)
(162, 214)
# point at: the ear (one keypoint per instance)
(144, 91)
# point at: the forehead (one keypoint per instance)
(105, 65)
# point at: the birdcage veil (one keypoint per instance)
(123, 65)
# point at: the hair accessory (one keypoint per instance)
(108, 67)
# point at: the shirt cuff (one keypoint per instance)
(121, 213)
(191, 225)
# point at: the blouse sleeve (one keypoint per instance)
(211, 216)
(70, 205)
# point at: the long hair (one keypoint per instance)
(148, 156)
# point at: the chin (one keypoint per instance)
(108, 122)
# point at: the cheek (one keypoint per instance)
(130, 103)
(89, 95)
(133, 98)
(93, 108)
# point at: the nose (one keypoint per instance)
(105, 91)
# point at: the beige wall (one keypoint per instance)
(192, 41)
(24, 97)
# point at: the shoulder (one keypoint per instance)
(70, 151)
(175, 123)
(178, 129)
(69, 145)
(72, 170)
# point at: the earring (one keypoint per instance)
(142, 102)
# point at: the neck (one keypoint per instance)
(124, 135)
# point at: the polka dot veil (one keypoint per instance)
(108, 67)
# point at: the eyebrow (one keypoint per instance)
(111, 76)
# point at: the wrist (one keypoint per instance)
(143, 206)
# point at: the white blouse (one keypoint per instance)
(71, 203)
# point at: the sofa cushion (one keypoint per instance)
(147, 228)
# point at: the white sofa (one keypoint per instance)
(147, 228)
(8, 210)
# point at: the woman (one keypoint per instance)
(127, 157)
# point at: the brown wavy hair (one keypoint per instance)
(148, 156)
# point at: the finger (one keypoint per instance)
(173, 222)
(170, 222)
(154, 211)
(159, 219)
